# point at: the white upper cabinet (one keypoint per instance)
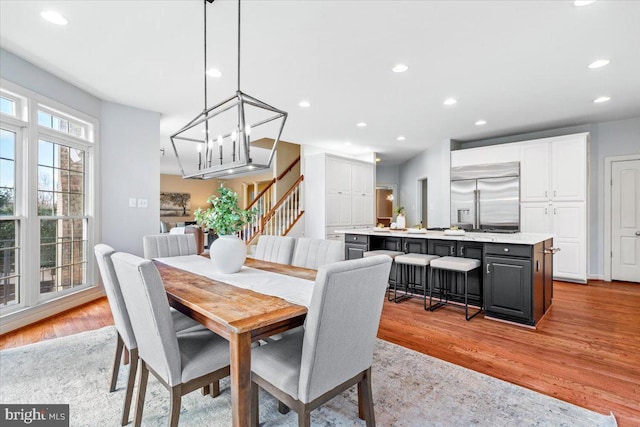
(502, 153)
(534, 172)
(554, 169)
(568, 169)
(338, 176)
(361, 179)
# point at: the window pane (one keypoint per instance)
(77, 160)
(7, 233)
(7, 144)
(9, 291)
(63, 254)
(45, 153)
(45, 178)
(76, 182)
(45, 119)
(7, 106)
(9, 263)
(7, 201)
(7, 173)
(76, 204)
(69, 126)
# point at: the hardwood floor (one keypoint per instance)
(585, 351)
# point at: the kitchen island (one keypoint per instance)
(514, 283)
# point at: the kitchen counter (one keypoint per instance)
(514, 282)
(515, 238)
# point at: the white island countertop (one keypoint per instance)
(514, 238)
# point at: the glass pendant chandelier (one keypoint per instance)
(217, 143)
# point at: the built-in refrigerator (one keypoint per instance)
(486, 197)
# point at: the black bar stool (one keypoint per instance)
(406, 265)
(456, 265)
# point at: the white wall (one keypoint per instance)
(130, 168)
(433, 164)
(388, 175)
(27, 75)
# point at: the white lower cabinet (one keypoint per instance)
(567, 222)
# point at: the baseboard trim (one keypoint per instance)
(27, 316)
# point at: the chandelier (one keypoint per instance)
(218, 143)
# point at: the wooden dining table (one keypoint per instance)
(242, 316)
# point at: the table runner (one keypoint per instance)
(292, 289)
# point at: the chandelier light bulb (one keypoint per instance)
(220, 140)
(210, 143)
(234, 135)
(200, 148)
(247, 130)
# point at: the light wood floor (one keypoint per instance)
(585, 351)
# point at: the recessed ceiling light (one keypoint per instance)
(53, 17)
(378, 159)
(400, 68)
(450, 101)
(304, 104)
(481, 122)
(401, 138)
(599, 63)
(361, 124)
(602, 99)
(214, 72)
(583, 2)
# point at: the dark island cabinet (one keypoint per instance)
(508, 288)
(355, 245)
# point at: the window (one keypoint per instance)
(47, 193)
(9, 241)
(62, 222)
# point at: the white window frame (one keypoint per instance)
(26, 121)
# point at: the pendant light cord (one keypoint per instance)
(205, 55)
(238, 45)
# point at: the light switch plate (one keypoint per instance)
(143, 203)
(132, 202)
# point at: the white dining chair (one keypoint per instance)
(334, 351)
(126, 339)
(313, 253)
(169, 245)
(277, 249)
(181, 362)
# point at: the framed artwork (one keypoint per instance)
(175, 204)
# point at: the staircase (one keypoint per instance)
(275, 219)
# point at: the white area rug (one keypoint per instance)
(409, 388)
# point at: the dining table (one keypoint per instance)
(231, 306)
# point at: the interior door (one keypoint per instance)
(625, 220)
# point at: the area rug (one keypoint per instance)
(409, 388)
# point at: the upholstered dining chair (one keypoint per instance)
(275, 249)
(181, 362)
(313, 253)
(126, 339)
(168, 245)
(334, 351)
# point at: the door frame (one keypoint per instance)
(419, 200)
(608, 183)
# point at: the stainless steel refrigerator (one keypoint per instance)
(486, 197)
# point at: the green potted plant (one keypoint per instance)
(401, 221)
(228, 253)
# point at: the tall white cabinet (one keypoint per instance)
(339, 193)
(553, 196)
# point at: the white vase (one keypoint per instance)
(228, 254)
(401, 222)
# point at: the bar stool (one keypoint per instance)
(406, 265)
(456, 265)
(392, 254)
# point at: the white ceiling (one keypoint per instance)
(521, 66)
